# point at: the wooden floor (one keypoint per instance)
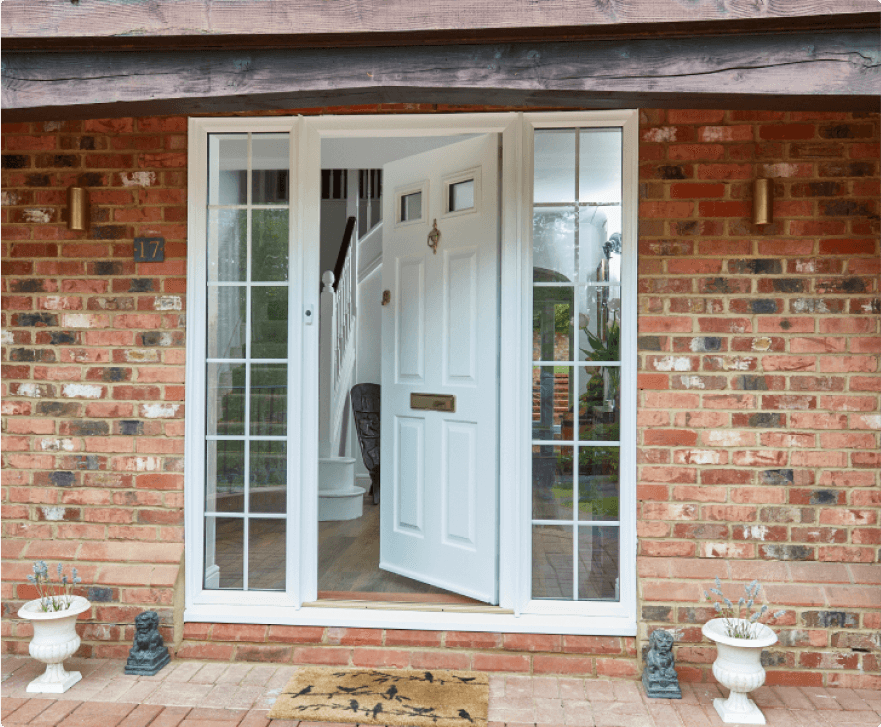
(348, 561)
(348, 565)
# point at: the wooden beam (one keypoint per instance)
(811, 71)
(446, 36)
(135, 23)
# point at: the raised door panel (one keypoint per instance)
(461, 318)
(409, 475)
(410, 317)
(459, 484)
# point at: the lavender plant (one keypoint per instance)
(53, 596)
(741, 622)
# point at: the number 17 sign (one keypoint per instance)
(149, 249)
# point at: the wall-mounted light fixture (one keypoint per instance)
(77, 208)
(763, 202)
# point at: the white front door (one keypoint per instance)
(440, 333)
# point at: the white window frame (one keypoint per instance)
(629, 123)
(419, 187)
(517, 612)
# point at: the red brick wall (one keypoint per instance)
(759, 395)
(759, 385)
(93, 368)
(605, 656)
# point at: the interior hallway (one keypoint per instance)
(221, 694)
(348, 565)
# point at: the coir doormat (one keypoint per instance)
(439, 698)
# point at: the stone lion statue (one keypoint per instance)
(659, 676)
(148, 654)
(147, 636)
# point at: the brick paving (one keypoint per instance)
(212, 694)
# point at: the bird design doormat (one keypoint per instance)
(439, 698)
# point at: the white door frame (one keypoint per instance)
(314, 129)
(516, 612)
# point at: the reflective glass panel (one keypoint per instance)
(552, 323)
(599, 323)
(269, 399)
(552, 416)
(227, 245)
(552, 482)
(461, 196)
(224, 553)
(266, 554)
(269, 322)
(552, 562)
(269, 245)
(228, 169)
(553, 245)
(598, 563)
(554, 165)
(411, 207)
(599, 174)
(225, 400)
(599, 238)
(267, 491)
(269, 168)
(598, 488)
(599, 404)
(225, 476)
(226, 322)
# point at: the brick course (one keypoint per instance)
(758, 395)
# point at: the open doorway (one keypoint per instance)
(408, 469)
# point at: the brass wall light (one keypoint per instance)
(77, 208)
(763, 202)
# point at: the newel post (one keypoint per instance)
(325, 362)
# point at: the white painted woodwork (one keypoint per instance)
(325, 363)
(369, 253)
(440, 336)
(513, 457)
(338, 497)
(628, 122)
(338, 349)
(198, 566)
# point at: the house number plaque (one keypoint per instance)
(434, 402)
(149, 249)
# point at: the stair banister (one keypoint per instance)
(338, 346)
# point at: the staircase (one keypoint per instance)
(338, 496)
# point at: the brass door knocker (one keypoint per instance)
(434, 238)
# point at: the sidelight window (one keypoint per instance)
(577, 363)
(246, 374)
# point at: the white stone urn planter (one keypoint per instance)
(55, 639)
(738, 667)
